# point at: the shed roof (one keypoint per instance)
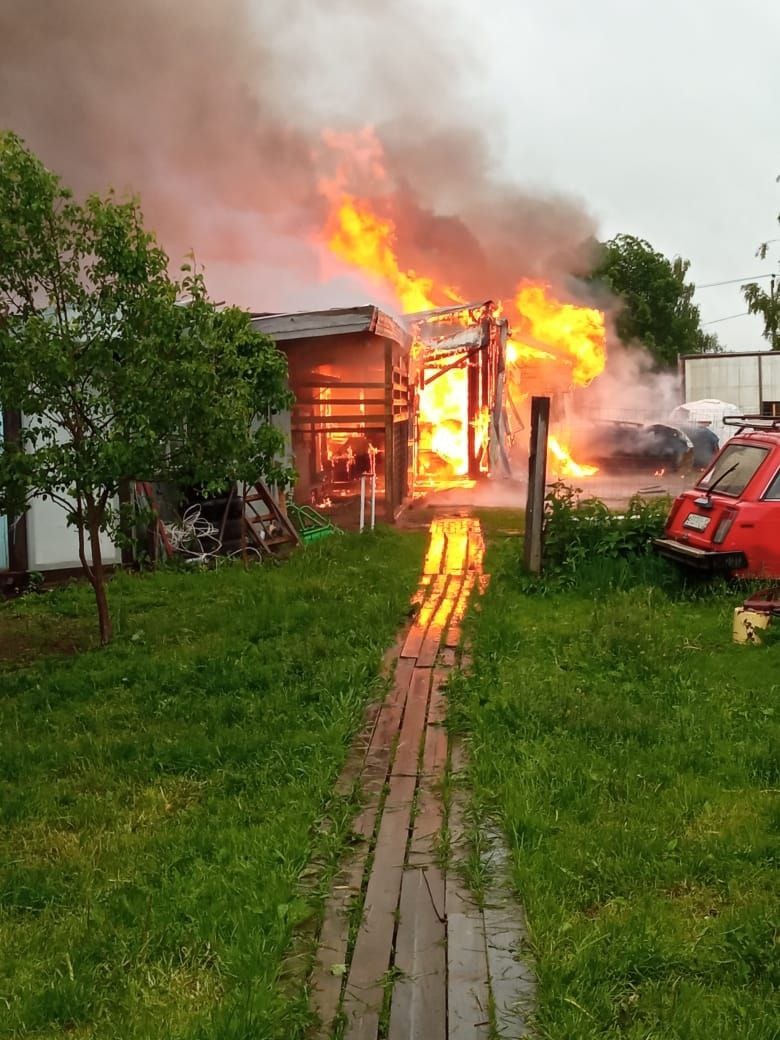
(336, 321)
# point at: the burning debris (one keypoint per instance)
(458, 362)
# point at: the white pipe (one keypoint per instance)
(362, 502)
(373, 499)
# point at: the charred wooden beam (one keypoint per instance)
(537, 481)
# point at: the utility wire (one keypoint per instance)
(733, 281)
(727, 318)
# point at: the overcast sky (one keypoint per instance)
(662, 116)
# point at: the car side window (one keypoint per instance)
(773, 491)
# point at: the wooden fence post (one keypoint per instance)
(537, 480)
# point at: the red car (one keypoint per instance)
(729, 523)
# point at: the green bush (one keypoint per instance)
(585, 540)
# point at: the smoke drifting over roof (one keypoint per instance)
(213, 114)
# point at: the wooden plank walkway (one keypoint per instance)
(404, 950)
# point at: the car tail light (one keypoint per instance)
(724, 526)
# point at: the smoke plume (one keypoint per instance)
(214, 113)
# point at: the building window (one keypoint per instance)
(771, 408)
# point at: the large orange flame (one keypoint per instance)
(570, 333)
(546, 331)
(365, 240)
(566, 466)
(444, 413)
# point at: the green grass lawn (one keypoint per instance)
(631, 752)
(160, 799)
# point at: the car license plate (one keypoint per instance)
(697, 522)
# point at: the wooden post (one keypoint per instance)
(389, 455)
(537, 480)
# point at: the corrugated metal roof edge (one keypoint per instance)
(284, 326)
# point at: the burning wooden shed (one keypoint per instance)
(349, 372)
(412, 401)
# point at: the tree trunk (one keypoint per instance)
(98, 574)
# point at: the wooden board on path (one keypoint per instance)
(407, 756)
(416, 636)
(468, 998)
(373, 946)
(419, 1005)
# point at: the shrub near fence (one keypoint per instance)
(583, 537)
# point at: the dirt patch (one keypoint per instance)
(28, 638)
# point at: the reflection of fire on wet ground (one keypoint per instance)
(614, 489)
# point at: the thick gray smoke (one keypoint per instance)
(213, 114)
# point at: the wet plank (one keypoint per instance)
(436, 549)
(388, 723)
(373, 763)
(414, 640)
(334, 934)
(419, 1002)
(435, 748)
(447, 950)
(454, 632)
(371, 957)
(419, 1005)
(457, 551)
(467, 985)
(512, 982)
(407, 756)
(432, 641)
(429, 814)
(356, 757)
(468, 993)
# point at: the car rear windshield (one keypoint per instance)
(734, 469)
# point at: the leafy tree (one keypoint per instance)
(121, 372)
(658, 309)
(767, 304)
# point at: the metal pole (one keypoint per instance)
(373, 500)
(362, 502)
(537, 480)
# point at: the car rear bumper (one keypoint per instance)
(706, 560)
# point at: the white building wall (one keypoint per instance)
(770, 376)
(725, 377)
(51, 544)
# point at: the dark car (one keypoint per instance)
(705, 443)
(663, 444)
(630, 446)
(730, 521)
